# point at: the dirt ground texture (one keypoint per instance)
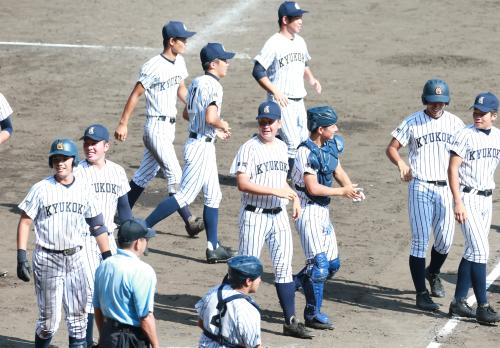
(372, 58)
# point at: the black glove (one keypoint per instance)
(106, 254)
(23, 266)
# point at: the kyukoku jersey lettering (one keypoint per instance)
(480, 155)
(428, 140)
(240, 321)
(5, 109)
(266, 165)
(285, 61)
(161, 78)
(108, 183)
(59, 212)
(205, 90)
(316, 231)
(430, 205)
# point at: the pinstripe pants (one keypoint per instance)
(274, 230)
(293, 129)
(430, 208)
(477, 227)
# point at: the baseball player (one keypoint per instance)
(316, 165)
(162, 80)
(427, 132)
(261, 168)
(5, 120)
(474, 158)
(203, 108)
(228, 316)
(109, 182)
(280, 68)
(62, 208)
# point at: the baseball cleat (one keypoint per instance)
(318, 325)
(486, 315)
(425, 302)
(194, 226)
(297, 329)
(437, 289)
(461, 309)
(221, 254)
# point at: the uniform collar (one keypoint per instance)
(485, 131)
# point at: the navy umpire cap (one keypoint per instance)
(175, 29)
(270, 110)
(213, 51)
(290, 9)
(65, 147)
(320, 116)
(486, 102)
(242, 267)
(96, 132)
(133, 229)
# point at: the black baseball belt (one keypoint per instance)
(437, 182)
(295, 99)
(164, 118)
(255, 209)
(194, 135)
(65, 252)
(485, 193)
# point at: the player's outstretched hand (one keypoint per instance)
(222, 135)
(460, 213)
(316, 85)
(351, 191)
(280, 98)
(404, 171)
(23, 266)
(296, 209)
(121, 132)
(285, 192)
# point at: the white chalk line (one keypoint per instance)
(448, 328)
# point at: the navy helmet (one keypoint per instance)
(65, 147)
(436, 91)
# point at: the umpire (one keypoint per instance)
(124, 292)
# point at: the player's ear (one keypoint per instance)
(106, 146)
(494, 116)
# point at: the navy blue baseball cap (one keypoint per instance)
(174, 29)
(96, 132)
(213, 51)
(270, 110)
(486, 102)
(133, 229)
(320, 116)
(290, 9)
(242, 267)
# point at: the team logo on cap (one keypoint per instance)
(91, 130)
(266, 109)
(438, 91)
(60, 146)
(480, 100)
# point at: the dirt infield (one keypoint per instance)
(372, 58)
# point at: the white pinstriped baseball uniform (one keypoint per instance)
(109, 183)
(316, 231)
(285, 62)
(480, 153)
(429, 204)
(200, 167)
(5, 109)
(266, 165)
(160, 78)
(58, 212)
(240, 323)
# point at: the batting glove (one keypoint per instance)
(23, 266)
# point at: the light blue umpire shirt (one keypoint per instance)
(124, 288)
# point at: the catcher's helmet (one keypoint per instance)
(242, 267)
(436, 91)
(65, 147)
(320, 116)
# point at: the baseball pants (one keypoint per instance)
(477, 227)
(293, 129)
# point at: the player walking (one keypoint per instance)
(200, 167)
(261, 168)
(427, 132)
(5, 120)
(474, 158)
(280, 68)
(316, 165)
(162, 80)
(109, 182)
(60, 206)
(228, 316)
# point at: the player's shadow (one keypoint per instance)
(14, 342)
(179, 256)
(177, 308)
(13, 208)
(371, 296)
